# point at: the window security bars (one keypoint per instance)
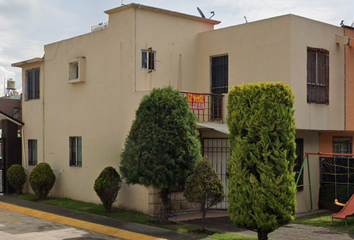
(75, 151)
(317, 76)
(32, 152)
(217, 152)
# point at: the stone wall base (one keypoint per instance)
(178, 203)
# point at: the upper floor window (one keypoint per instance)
(32, 152)
(77, 70)
(317, 76)
(75, 149)
(32, 84)
(148, 59)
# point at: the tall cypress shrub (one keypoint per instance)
(262, 191)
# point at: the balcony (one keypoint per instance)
(207, 107)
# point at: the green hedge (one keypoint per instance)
(16, 176)
(42, 180)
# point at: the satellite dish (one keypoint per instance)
(200, 12)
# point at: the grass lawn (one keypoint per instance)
(325, 220)
(126, 215)
(318, 220)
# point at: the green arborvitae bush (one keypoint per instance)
(16, 176)
(42, 180)
(107, 186)
(163, 146)
(262, 191)
(204, 188)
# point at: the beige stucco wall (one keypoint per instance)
(102, 108)
(275, 50)
(311, 144)
(306, 33)
(175, 41)
(32, 116)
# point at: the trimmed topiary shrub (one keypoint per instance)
(262, 191)
(16, 176)
(107, 186)
(42, 180)
(204, 187)
(163, 146)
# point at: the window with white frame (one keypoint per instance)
(148, 59)
(32, 152)
(32, 84)
(77, 70)
(75, 151)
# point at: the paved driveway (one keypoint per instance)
(17, 226)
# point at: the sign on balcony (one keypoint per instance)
(196, 101)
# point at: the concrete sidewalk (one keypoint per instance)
(95, 223)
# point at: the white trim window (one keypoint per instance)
(148, 59)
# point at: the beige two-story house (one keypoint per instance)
(80, 97)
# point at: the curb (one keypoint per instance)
(110, 231)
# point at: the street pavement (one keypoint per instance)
(84, 221)
(17, 226)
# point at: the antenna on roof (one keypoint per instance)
(245, 19)
(213, 13)
(200, 12)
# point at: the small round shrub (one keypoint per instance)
(107, 186)
(42, 180)
(16, 176)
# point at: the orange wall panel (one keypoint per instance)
(349, 85)
(326, 140)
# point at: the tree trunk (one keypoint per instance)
(204, 210)
(262, 235)
(165, 203)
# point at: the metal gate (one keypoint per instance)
(217, 151)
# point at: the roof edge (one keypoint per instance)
(33, 60)
(11, 119)
(163, 11)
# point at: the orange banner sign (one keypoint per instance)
(196, 101)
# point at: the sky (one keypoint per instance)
(27, 25)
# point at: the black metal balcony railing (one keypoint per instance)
(205, 106)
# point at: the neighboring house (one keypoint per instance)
(10, 142)
(80, 98)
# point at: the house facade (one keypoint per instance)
(80, 98)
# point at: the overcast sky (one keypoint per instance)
(27, 25)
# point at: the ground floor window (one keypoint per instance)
(75, 151)
(298, 163)
(343, 145)
(32, 152)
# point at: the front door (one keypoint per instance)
(217, 151)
